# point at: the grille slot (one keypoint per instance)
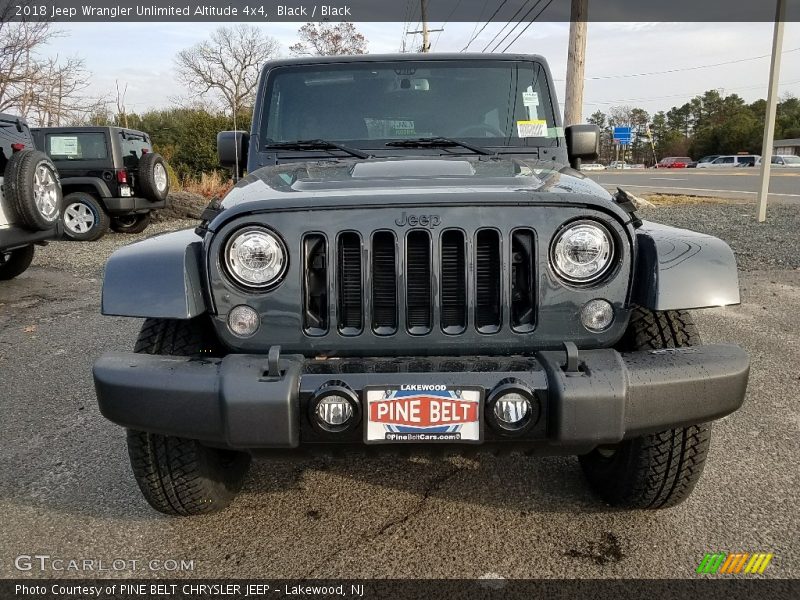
(488, 268)
(453, 282)
(523, 297)
(418, 282)
(315, 284)
(350, 288)
(384, 283)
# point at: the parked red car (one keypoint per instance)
(674, 162)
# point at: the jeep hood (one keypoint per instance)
(386, 181)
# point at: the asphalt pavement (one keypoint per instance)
(66, 489)
(742, 183)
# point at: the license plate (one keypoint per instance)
(416, 413)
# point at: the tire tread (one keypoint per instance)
(661, 469)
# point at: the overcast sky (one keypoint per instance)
(141, 55)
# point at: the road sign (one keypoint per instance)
(623, 135)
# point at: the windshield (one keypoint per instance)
(791, 160)
(492, 103)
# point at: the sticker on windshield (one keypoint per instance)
(530, 129)
(530, 99)
(64, 146)
(391, 128)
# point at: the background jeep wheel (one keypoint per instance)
(658, 470)
(179, 476)
(33, 189)
(153, 180)
(130, 223)
(15, 262)
(85, 220)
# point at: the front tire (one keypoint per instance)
(181, 477)
(177, 476)
(658, 470)
(84, 218)
(15, 262)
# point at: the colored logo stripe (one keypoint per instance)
(734, 563)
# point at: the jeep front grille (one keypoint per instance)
(384, 283)
(454, 282)
(350, 278)
(448, 280)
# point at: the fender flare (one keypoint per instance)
(98, 184)
(160, 277)
(678, 269)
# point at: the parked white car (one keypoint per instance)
(593, 167)
(731, 160)
(784, 160)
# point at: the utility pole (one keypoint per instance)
(576, 62)
(426, 32)
(772, 110)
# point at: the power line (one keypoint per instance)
(450, 16)
(683, 69)
(494, 14)
(685, 95)
(511, 43)
(511, 20)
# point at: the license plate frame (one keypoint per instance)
(467, 400)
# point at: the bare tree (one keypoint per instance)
(226, 67)
(19, 43)
(58, 92)
(325, 39)
(122, 114)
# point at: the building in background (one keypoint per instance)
(787, 147)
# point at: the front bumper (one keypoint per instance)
(248, 402)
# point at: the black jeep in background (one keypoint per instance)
(110, 177)
(30, 197)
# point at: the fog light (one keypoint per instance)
(334, 411)
(512, 409)
(597, 315)
(243, 321)
(334, 408)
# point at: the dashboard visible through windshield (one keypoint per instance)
(492, 103)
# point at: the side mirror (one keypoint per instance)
(232, 151)
(583, 143)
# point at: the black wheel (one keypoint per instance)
(32, 187)
(153, 180)
(179, 476)
(658, 470)
(84, 218)
(131, 223)
(15, 262)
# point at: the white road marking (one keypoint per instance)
(666, 179)
(686, 189)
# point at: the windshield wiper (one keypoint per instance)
(318, 145)
(439, 142)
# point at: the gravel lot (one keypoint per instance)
(88, 259)
(774, 244)
(66, 488)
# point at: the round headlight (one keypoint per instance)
(255, 257)
(582, 252)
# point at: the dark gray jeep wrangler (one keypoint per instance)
(413, 259)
